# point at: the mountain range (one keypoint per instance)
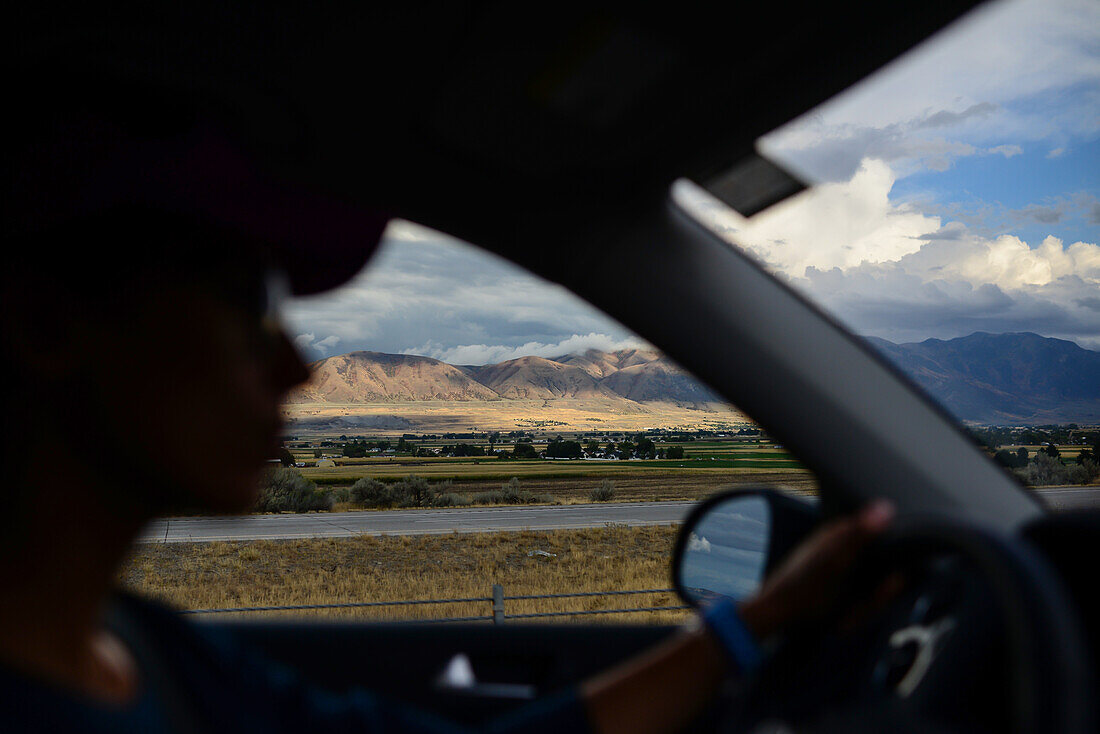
(1004, 379)
(637, 375)
(982, 378)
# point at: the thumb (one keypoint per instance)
(876, 517)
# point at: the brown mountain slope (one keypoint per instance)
(657, 380)
(601, 364)
(371, 377)
(629, 357)
(596, 363)
(529, 378)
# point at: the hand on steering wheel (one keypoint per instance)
(982, 638)
(808, 583)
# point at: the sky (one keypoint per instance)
(957, 190)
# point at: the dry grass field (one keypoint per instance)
(562, 414)
(269, 573)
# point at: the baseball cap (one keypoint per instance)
(82, 146)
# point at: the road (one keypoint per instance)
(414, 522)
(464, 520)
(1077, 498)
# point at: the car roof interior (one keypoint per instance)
(478, 117)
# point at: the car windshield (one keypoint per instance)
(954, 221)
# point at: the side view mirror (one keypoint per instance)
(731, 541)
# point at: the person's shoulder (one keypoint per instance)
(150, 621)
(129, 614)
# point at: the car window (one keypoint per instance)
(954, 221)
(469, 429)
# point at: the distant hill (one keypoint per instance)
(629, 375)
(529, 378)
(374, 377)
(658, 380)
(982, 378)
(601, 364)
(1020, 378)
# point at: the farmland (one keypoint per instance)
(706, 466)
(442, 416)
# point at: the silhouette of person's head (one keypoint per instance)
(142, 353)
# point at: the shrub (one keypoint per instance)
(510, 493)
(341, 494)
(1092, 466)
(450, 499)
(372, 493)
(1045, 469)
(285, 490)
(1077, 474)
(495, 497)
(413, 491)
(603, 493)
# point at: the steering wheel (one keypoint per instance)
(983, 638)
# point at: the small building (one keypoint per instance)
(325, 463)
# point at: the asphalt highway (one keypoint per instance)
(1077, 498)
(464, 520)
(413, 522)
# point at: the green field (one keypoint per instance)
(707, 458)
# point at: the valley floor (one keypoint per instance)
(634, 487)
(562, 414)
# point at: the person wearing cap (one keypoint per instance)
(139, 327)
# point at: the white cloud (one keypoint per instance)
(1007, 151)
(1007, 261)
(1003, 51)
(838, 224)
(1019, 71)
(493, 353)
(698, 544)
(309, 344)
(888, 270)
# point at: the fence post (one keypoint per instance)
(498, 604)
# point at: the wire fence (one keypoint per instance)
(497, 600)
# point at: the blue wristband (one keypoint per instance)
(722, 619)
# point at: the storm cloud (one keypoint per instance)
(430, 294)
